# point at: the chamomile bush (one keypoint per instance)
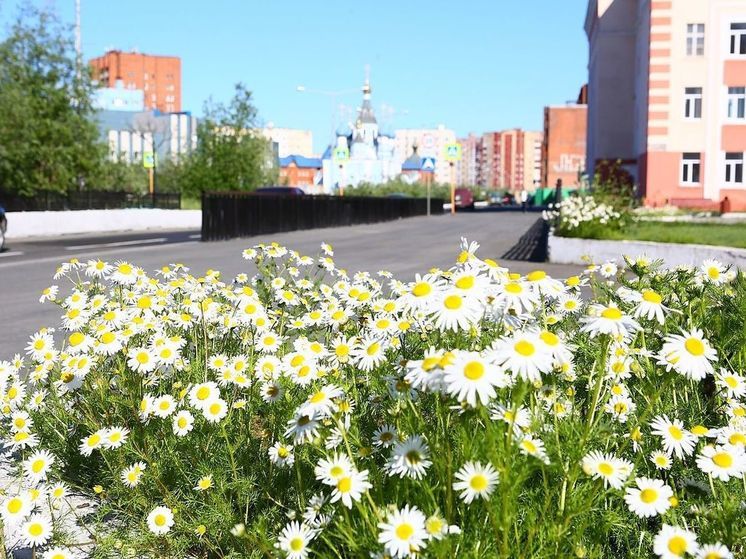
(306, 412)
(585, 217)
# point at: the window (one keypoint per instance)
(738, 38)
(695, 39)
(693, 102)
(690, 166)
(737, 102)
(734, 168)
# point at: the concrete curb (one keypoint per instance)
(52, 224)
(567, 250)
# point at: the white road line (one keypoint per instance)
(119, 244)
(197, 236)
(11, 253)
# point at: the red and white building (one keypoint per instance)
(667, 97)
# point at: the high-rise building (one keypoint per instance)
(511, 160)
(430, 142)
(159, 77)
(290, 141)
(667, 97)
(468, 167)
(563, 145)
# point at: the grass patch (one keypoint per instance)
(190, 203)
(730, 235)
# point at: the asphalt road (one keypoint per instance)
(403, 247)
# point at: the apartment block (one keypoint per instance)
(511, 160)
(430, 142)
(468, 168)
(563, 145)
(290, 141)
(667, 97)
(159, 77)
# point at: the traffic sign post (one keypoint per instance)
(428, 166)
(453, 154)
(148, 162)
(340, 156)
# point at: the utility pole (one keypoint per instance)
(78, 43)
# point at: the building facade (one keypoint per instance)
(130, 134)
(511, 160)
(118, 98)
(159, 77)
(430, 142)
(302, 172)
(667, 97)
(291, 141)
(469, 167)
(563, 144)
(371, 153)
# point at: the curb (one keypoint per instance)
(569, 250)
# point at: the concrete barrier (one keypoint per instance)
(48, 224)
(567, 250)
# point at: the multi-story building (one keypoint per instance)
(468, 167)
(130, 134)
(511, 160)
(303, 172)
(159, 77)
(667, 97)
(430, 142)
(118, 98)
(563, 145)
(291, 141)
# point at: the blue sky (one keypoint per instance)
(474, 65)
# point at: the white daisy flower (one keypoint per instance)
(723, 461)
(160, 520)
(403, 532)
(294, 540)
(350, 487)
(37, 530)
(612, 470)
(649, 498)
(672, 542)
(676, 439)
(475, 481)
(409, 458)
(470, 377)
(689, 354)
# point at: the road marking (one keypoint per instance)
(120, 244)
(197, 236)
(11, 253)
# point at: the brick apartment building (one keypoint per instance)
(563, 145)
(159, 77)
(468, 168)
(303, 172)
(667, 96)
(511, 159)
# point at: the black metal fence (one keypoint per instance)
(89, 200)
(228, 215)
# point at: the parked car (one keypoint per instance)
(280, 191)
(3, 227)
(464, 198)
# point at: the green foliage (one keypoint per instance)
(718, 234)
(118, 176)
(398, 186)
(48, 138)
(613, 185)
(231, 154)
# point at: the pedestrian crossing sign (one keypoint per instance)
(428, 164)
(453, 152)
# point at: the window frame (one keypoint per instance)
(693, 38)
(688, 162)
(735, 168)
(693, 97)
(740, 102)
(736, 39)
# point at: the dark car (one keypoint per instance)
(464, 198)
(280, 191)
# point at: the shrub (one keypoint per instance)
(470, 413)
(584, 216)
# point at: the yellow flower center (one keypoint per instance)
(452, 302)
(612, 313)
(36, 529)
(160, 520)
(282, 452)
(713, 272)
(536, 275)
(76, 339)
(404, 531)
(144, 302)
(37, 466)
(107, 338)
(215, 408)
(723, 460)
(513, 287)
(605, 469)
(675, 432)
(94, 439)
(651, 297)
(478, 482)
(474, 370)
(15, 505)
(142, 358)
(694, 346)
(466, 282)
(572, 281)
(373, 348)
(344, 485)
(529, 446)
(296, 544)
(549, 338)
(648, 496)
(524, 348)
(125, 269)
(421, 289)
(320, 396)
(737, 438)
(203, 393)
(677, 545)
(413, 457)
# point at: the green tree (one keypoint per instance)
(48, 138)
(231, 153)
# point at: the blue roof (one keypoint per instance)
(300, 161)
(409, 165)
